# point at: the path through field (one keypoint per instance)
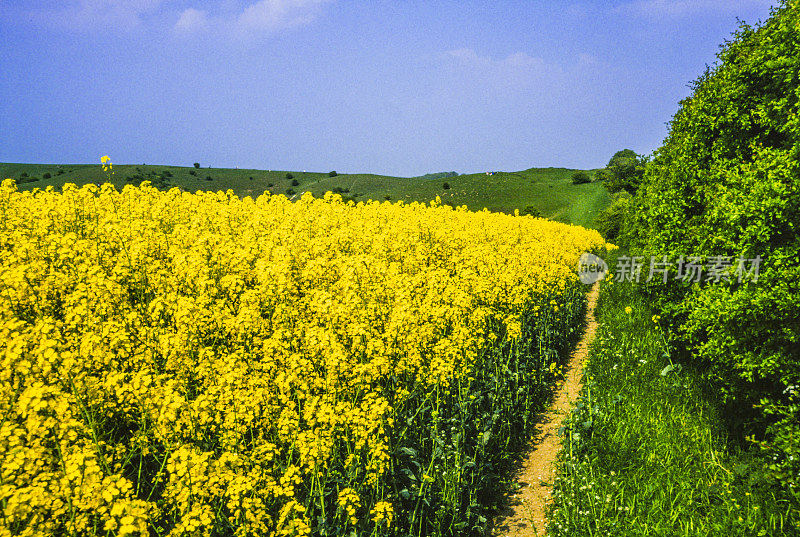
(525, 515)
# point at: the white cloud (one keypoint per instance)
(680, 8)
(272, 15)
(192, 21)
(94, 14)
(231, 19)
(257, 19)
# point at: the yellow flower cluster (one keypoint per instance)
(195, 364)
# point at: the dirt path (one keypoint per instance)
(525, 515)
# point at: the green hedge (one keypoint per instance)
(727, 183)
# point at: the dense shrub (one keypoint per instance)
(623, 172)
(46, 176)
(289, 176)
(446, 185)
(295, 182)
(602, 175)
(135, 179)
(196, 164)
(609, 222)
(580, 177)
(332, 174)
(727, 183)
(531, 210)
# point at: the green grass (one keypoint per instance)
(548, 190)
(645, 450)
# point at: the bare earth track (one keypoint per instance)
(525, 515)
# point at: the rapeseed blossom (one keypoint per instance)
(206, 364)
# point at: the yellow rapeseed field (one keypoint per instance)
(199, 364)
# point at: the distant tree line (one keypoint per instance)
(439, 175)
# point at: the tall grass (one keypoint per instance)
(645, 452)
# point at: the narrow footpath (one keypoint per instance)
(525, 515)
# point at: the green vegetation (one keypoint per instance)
(438, 175)
(645, 452)
(726, 185)
(609, 222)
(580, 177)
(696, 430)
(548, 191)
(531, 210)
(623, 172)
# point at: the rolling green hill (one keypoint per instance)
(547, 190)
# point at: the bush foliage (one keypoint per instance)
(580, 177)
(609, 222)
(623, 172)
(727, 183)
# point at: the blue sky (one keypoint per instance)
(398, 87)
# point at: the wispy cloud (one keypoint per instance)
(681, 8)
(519, 62)
(257, 19)
(191, 21)
(249, 19)
(271, 15)
(94, 14)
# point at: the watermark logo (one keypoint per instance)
(692, 268)
(591, 268)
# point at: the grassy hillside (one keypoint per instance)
(548, 190)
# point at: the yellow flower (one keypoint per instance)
(249, 343)
(383, 511)
(628, 310)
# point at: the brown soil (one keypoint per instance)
(525, 513)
